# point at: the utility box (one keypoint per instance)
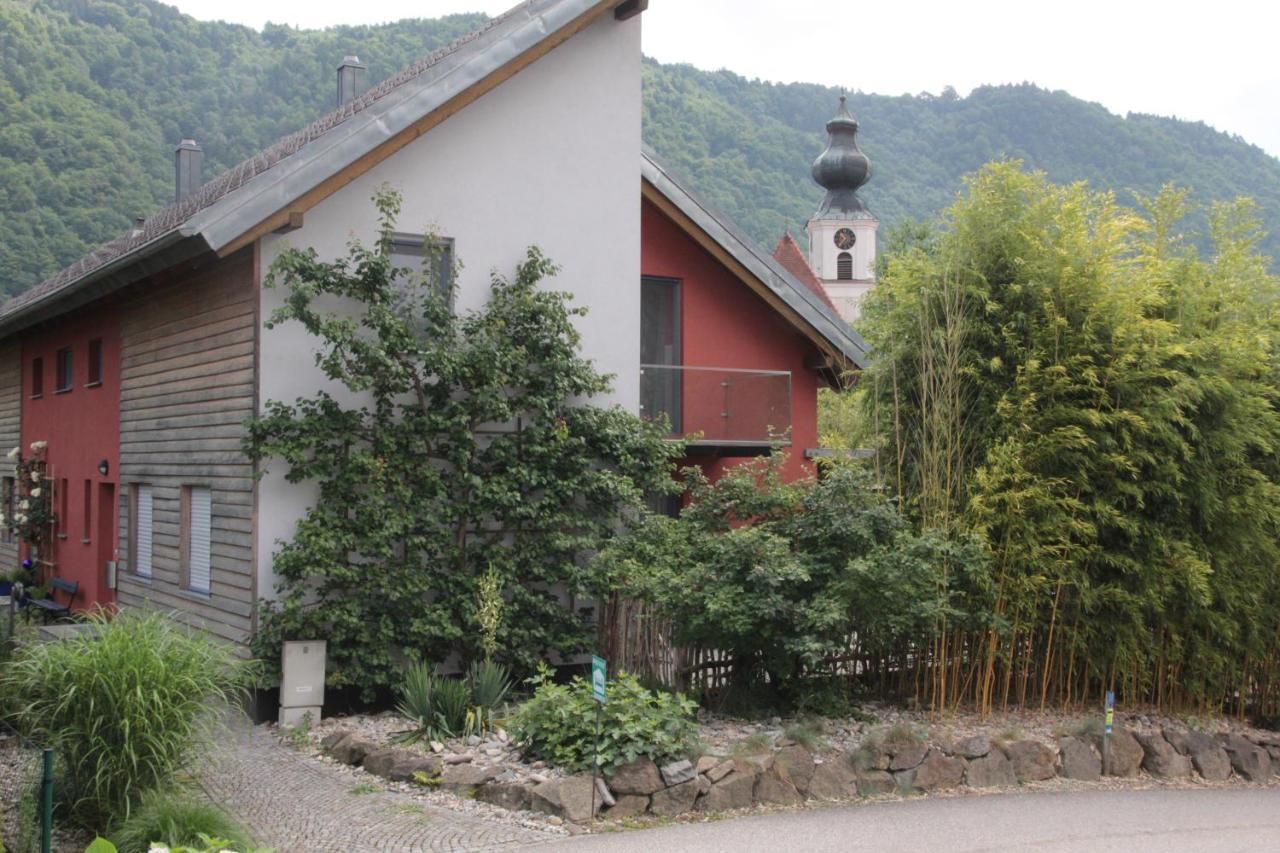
(302, 681)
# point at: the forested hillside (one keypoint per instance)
(94, 93)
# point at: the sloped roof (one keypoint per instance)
(243, 197)
(805, 307)
(792, 259)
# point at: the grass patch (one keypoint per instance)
(1092, 727)
(1011, 733)
(808, 734)
(364, 788)
(177, 820)
(902, 734)
(757, 744)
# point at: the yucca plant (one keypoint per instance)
(453, 703)
(490, 683)
(124, 706)
(417, 695)
(450, 707)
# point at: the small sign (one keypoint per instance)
(598, 679)
(1111, 712)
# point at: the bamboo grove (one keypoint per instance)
(1069, 382)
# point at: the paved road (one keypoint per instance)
(1150, 821)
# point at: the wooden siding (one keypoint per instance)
(187, 388)
(10, 429)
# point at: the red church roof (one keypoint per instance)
(788, 254)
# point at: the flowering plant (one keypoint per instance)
(33, 502)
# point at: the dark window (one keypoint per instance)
(65, 373)
(88, 508)
(95, 361)
(37, 377)
(844, 266)
(60, 523)
(9, 497)
(434, 262)
(660, 376)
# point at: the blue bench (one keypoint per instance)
(51, 607)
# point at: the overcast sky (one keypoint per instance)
(1207, 61)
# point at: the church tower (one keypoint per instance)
(842, 234)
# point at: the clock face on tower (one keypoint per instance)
(845, 238)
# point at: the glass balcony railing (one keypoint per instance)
(719, 405)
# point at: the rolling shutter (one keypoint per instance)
(201, 518)
(143, 531)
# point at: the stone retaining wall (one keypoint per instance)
(789, 773)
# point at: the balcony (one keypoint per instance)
(719, 407)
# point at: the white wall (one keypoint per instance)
(550, 157)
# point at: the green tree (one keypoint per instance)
(1074, 383)
(472, 458)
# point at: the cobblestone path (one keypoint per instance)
(289, 803)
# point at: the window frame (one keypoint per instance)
(37, 377)
(95, 365)
(141, 494)
(672, 388)
(187, 533)
(406, 245)
(843, 273)
(64, 360)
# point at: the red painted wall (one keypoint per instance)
(726, 325)
(82, 427)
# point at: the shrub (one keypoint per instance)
(449, 707)
(123, 706)
(779, 575)
(176, 820)
(559, 723)
(488, 515)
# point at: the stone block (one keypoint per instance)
(1160, 758)
(1077, 760)
(972, 747)
(834, 779)
(570, 798)
(798, 764)
(628, 805)
(993, 770)
(678, 772)
(509, 795)
(735, 791)
(352, 750)
(638, 778)
(938, 772)
(1032, 761)
(872, 782)
(775, 786)
(674, 800)
(908, 756)
(1125, 754)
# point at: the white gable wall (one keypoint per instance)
(551, 157)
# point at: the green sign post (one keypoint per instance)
(600, 693)
(598, 671)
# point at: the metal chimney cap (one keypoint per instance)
(189, 145)
(351, 61)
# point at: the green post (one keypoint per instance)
(46, 804)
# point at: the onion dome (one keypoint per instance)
(841, 169)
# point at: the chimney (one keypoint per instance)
(350, 79)
(188, 159)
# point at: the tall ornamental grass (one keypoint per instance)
(124, 706)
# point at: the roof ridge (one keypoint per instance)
(174, 215)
